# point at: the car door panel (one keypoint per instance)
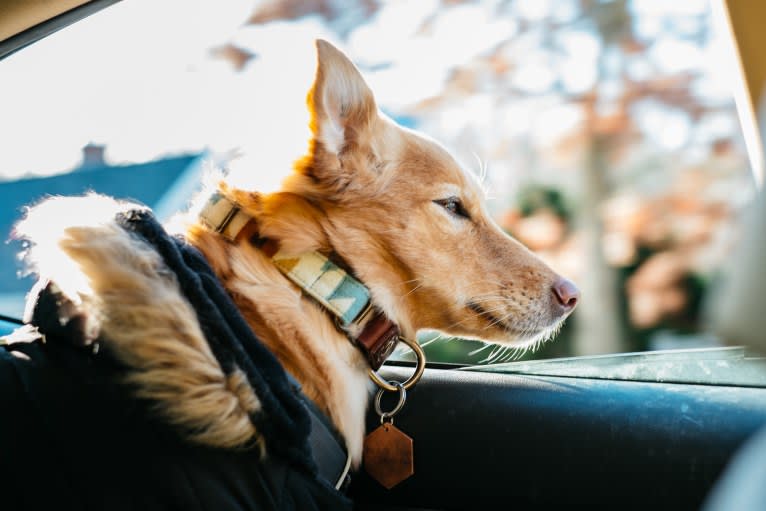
(493, 441)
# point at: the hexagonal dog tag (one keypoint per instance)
(388, 455)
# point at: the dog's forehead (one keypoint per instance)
(436, 169)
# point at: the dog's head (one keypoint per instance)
(409, 221)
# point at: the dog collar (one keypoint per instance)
(347, 299)
(224, 216)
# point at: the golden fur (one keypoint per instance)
(393, 204)
(133, 302)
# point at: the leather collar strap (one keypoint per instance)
(337, 291)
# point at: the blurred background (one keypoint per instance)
(606, 131)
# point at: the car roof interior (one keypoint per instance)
(23, 22)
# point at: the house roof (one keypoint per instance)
(146, 183)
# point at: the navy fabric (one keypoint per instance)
(73, 437)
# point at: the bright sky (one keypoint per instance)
(145, 86)
(140, 78)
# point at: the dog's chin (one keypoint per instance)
(517, 339)
(523, 333)
(535, 339)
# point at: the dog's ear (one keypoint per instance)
(342, 105)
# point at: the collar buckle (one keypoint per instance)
(224, 216)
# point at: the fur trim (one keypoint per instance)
(128, 295)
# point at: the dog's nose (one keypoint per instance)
(566, 293)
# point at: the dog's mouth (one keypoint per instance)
(492, 319)
(521, 334)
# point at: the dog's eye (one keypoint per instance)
(454, 206)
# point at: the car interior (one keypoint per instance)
(536, 437)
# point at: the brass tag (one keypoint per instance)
(388, 455)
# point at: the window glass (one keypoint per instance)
(605, 131)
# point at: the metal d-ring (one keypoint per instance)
(402, 398)
(420, 366)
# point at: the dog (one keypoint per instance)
(391, 206)
(409, 221)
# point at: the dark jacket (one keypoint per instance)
(70, 438)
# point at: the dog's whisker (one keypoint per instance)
(479, 350)
(501, 354)
(439, 336)
(496, 353)
(457, 323)
(512, 354)
(488, 359)
(408, 293)
(481, 175)
(486, 299)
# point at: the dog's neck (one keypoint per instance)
(339, 293)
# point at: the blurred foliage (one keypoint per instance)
(534, 197)
(685, 321)
(603, 124)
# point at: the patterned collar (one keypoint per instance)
(346, 298)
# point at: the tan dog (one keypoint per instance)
(393, 205)
(409, 221)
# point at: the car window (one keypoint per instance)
(605, 133)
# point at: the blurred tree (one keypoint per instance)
(608, 132)
(607, 101)
(599, 320)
